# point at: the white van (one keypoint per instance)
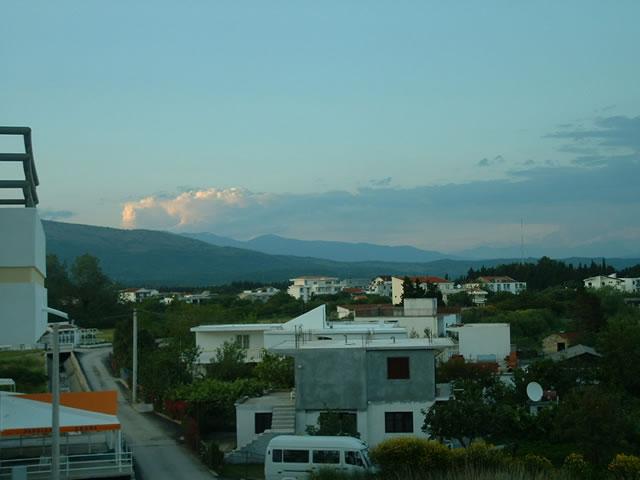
(293, 457)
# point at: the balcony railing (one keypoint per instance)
(96, 465)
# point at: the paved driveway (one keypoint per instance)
(158, 456)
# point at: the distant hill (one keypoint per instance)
(153, 258)
(330, 250)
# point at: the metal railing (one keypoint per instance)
(30, 182)
(72, 466)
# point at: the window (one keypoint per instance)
(397, 367)
(243, 341)
(326, 456)
(295, 456)
(277, 456)
(398, 422)
(353, 458)
(561, 346)
(263, 422)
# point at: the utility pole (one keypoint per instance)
(55, 405)
(134, 383)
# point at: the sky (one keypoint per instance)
(443, 125)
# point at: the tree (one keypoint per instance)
(466, 417)
(598, 421)
(95, 295)
(229, 363)
(59, 288)
(460, 299)
(619, 344)
(276, 371)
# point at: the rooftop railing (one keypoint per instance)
(30, 181)
(96, 465)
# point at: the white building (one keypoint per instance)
(627, 285)
(308, 286)
(483, 342)
(313, 325)
(135, 295)
(397, 285)
(262, 294)
(23, 297)
(497, 284)
(380, 286)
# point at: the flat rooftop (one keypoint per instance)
(376, 344)
(242, 327)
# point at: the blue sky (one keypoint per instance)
(436, 124)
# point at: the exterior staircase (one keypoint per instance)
(283, 422)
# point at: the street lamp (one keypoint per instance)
(55, 393)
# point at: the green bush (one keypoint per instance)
(212, 456)
(536, 463)
(411, 455)
(626, 467)
(576, 466)
(481, 456)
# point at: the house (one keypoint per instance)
(381, 286)
(498, 284)
(484, 342)
(197, 298)
(262, 294)
(397, 285)
(557, 342)
(383, 385)
(135, 295)
(308, 286)
(628, 285)
(313, 325)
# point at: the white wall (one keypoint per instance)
(22, 274)
(22, 242)
(376, 420)
(22, 318)
(484, 339)
(245, 422)
(209, 342)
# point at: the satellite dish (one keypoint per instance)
(534, 391)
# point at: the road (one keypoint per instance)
(158, 456)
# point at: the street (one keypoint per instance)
(157, 455)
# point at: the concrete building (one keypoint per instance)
(380, 286)
(382, 384)
(308, 286)
(498, 284)
(627, 285)
(397, 285)
(484, 342)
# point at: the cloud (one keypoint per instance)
(573, 202)
(55, 214)
(619, 132)
(382, 182)
(189, 208)
(486, 162)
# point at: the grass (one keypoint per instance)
(249, 472)
(105, 335)
(27, 368)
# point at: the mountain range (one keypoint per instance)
(330, 250)
(156, 258)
